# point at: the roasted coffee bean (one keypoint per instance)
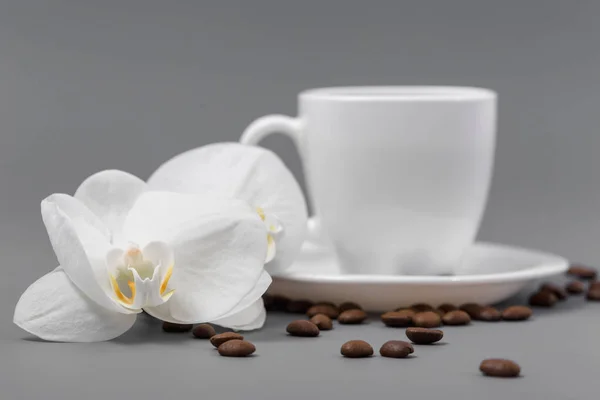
(489, 314)
(298, 306)
(500, 367)
(268, 302)
(424, 335)
(396, 349)
(204, 331)
(280, 303)
(302, 328)
(556, 290)
(352, 317)
(221, 338)
(543, 299)
(594, 285)
(575, 287)
(397, 319)
(348, 305)
(356, 349)
(593, 295)
(331, 312)
(427, 319)
(421, 307)
(456, 317)
(517, 313)
(322, 321)
(236, 348)
(446, 308)
(582, 272)
(472, 309)
(176, 328)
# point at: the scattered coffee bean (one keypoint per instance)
(575, 287)
(472, 309)
(582, 272)
(302, 328)
(397, 319)
(517, 313)
(298, 306)
(421, 307)
(593, 294)
(446, 307)
(221, 338)
(500, 367)
(489, 314)
(456, 317)
(594, 285)
(352, 317)
(176, 328)
(427, 319)
(356, 349)
(348, 305)
(543, 299)
(556, 290)
(280, 303)
(396, 349)
(331, 312)
(322, 321)
(424, 335)
(268, 302)
(236, 348)
(204, 331)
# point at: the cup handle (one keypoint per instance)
(291, 127)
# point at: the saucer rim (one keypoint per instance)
(548, 265)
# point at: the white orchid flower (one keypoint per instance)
(257, 176)
(122, 249)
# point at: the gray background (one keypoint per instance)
(89, 85)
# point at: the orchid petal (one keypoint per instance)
(250, 173)
(54, 309)
(219, 246)
(110, 195)
(249, 319)
(81, 242)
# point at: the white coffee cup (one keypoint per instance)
(398, 175)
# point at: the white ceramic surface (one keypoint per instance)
(399, 176)
(488, 274)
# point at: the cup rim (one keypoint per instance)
(399, 93)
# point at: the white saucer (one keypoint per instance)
(489, 274)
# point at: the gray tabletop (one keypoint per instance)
(557, 349)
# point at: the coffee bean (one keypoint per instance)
(322, 321)
(302, 328)
(268, 302)
(424, 335)
(593, 295)
(236, 348)
(472, 309)
(356, 349)
(517, 313)
(456, 317)
(397, 319)
(594, 285)
(204, 331)
(582, 272)
(280, 303)
(176, 328)
(331, 312)
(427, 319)
(352, 317)
(298, 306)
(446, 308)
(556, 290)
(489, 314)
(348, 305)
(575, 287)
(221, 338)
(396, 349)
(500, 367)
(421, 307)
(542, 299)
